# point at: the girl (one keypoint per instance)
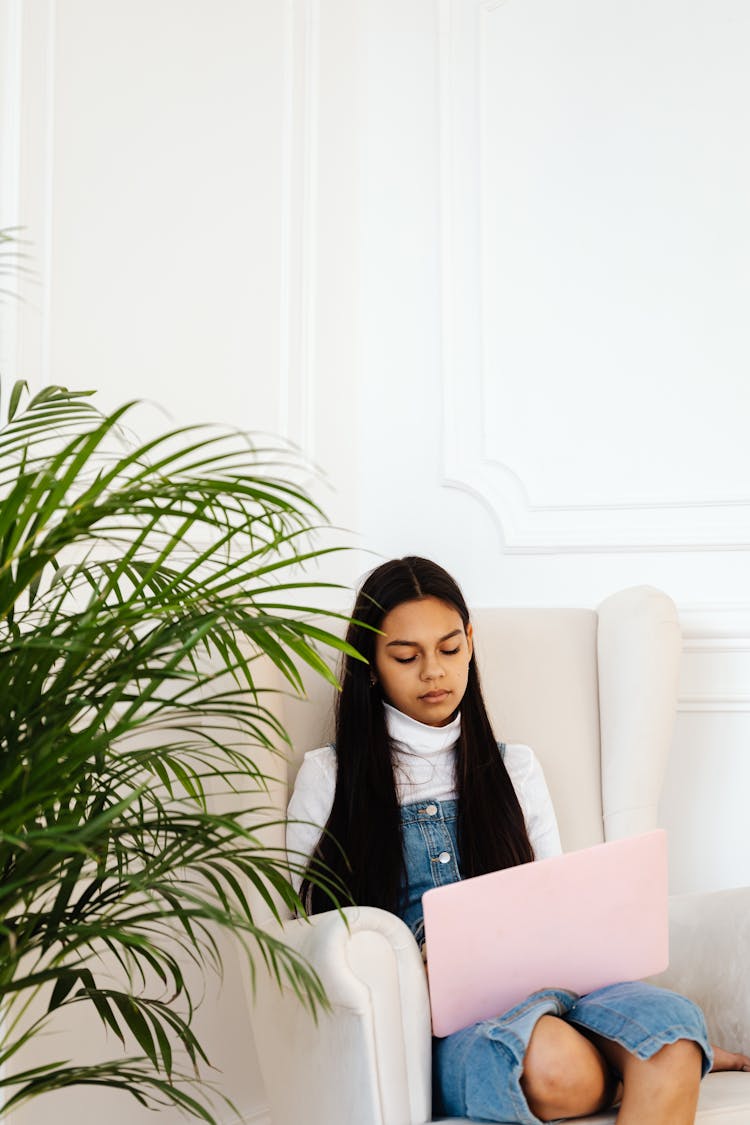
(417, 792)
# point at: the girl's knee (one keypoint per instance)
(683, 1059)
(664, 1087)
(564, 1075)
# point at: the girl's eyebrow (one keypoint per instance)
(413, 644)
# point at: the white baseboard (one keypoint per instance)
(258, 1117)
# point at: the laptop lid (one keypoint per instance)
(577, 921)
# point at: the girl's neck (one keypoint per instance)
(418, 736)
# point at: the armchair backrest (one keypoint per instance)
(592, 691)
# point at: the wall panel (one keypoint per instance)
(581, 426)
(164, 159)
(484, 260)
(708, 780)
(594, 257)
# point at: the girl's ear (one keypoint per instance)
(470, 639)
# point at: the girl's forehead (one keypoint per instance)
(421, 617)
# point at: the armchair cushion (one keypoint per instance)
(709, 960)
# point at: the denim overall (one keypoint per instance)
(477, 1071)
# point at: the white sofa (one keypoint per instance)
(594, 692)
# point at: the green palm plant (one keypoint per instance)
(142, 587)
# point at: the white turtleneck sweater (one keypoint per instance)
(424, 770)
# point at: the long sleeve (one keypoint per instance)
(309, 807)
(312, 800)
(527, 776)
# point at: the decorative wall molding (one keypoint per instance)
(298, 302)
(258, 1117)
(714, 704)
(714, 645)
(47, 45)
(11, 17)
(527, 528)
(11, 46)
(721, 627)
(721, 631)
(27, 82)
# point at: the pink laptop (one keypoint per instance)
(577, 921)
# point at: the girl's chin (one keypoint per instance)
(434, 714)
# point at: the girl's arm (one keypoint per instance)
(527, 776)
(310, 806)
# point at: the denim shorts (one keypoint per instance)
(477, 1071)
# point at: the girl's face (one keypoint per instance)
(422, 659)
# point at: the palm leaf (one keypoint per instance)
(143, 589)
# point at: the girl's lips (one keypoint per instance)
(434, 696)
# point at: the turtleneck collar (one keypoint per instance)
(419, 737)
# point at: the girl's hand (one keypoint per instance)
(727, 1060)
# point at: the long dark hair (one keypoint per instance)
(365, 819)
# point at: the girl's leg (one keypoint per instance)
(656, 1041)
(492, 1070)
(565, 1074)
(661, 1090)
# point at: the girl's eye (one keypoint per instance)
(405, 659)
(451, 651)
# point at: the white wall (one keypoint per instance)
(554, 231)
(485, 260)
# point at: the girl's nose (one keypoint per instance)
(432, 669)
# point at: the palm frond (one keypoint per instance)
(145, 591)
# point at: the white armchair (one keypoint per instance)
(594, 693)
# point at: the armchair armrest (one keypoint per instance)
(709, 960)
(369, 1058)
